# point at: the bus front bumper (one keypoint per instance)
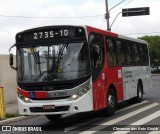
(82, 104)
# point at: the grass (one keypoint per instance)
(12, 115)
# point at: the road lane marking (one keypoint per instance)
(90, 121)
(128, 107)
(80, 124)
(154, 132)
(156, 83)
(141, 122)
(118, 119)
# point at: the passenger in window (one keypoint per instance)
(96, 55)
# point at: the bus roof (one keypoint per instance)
(119, 36)
(97, 29)
(132, 39)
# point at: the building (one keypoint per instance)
(8, 80)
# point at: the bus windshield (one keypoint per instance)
(53, 62)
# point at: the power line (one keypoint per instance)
(141, 33)
(54, 17)
(36, 17)
(122, 7)
(117, 5)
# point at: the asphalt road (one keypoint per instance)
(154, 94)
(146, 113)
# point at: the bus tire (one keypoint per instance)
(139, 97)
(112, 103)
(53, 117)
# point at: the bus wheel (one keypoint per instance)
(53, 117)
(139, 97)
(112, 102)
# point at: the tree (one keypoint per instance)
(154, 49)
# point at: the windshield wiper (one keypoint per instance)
(36, 58)
(65, 45)
(35, 55)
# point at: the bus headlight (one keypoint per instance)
(75, 97)
(81, 93)
(23, 98)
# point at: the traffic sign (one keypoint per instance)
(135, 11)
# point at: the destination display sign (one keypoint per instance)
(50, 33)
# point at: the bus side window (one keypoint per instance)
(145, 56)
(129, 54)
(140, 52)
(120, 53)
(136, 55)
(111, 52)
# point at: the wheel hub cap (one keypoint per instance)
(110, 101)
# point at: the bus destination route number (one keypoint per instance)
(50, 34)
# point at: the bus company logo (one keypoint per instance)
(48, 95)
(32, 94)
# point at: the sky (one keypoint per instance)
(19, 15)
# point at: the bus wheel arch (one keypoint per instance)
(111, 100)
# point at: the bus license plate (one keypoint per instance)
(48, 107)
(57, 94)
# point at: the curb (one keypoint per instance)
(16, 119)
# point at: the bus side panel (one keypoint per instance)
(146, 78)
(114, 77)
(109, 76)
(129, 82)
(99, 87)
(99, 93)
(131, 76)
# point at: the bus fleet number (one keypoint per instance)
(50, 34)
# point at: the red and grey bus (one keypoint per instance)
(72, 69)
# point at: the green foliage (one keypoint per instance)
(154, 49)
(12, 115)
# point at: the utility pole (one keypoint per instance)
(107, 16)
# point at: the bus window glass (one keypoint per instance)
(129, 54)
(140, 52)
(96, 54)
(145, 50)
(55, 62)
(120, 53)
(136, 54)
(111, 52)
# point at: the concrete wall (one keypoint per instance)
(8, 79)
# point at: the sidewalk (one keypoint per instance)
(13, 109)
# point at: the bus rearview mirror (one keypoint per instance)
(11, 59)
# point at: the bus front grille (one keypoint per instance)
(57, 109)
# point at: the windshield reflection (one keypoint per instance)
(55, 62)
